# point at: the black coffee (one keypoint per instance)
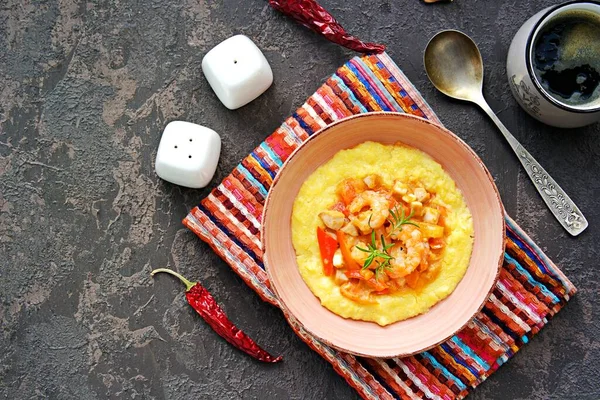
(567, 58)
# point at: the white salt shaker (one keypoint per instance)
(237, 71)
(188, 154)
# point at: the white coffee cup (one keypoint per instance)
(527, 89)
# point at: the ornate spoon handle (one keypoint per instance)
(559, 203)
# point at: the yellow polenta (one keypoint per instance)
(391, 162)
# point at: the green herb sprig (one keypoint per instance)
(376, 255)
(382, 256)
(399, 219)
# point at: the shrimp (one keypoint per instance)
(378, 210)
(408, 253)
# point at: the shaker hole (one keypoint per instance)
(189, 156)
(175, 146)
(235, 61)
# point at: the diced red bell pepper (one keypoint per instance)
(436, 243)
(349, 262)
(327, 245)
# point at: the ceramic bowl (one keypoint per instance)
(445, 318)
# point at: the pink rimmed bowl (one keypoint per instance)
(445, 318)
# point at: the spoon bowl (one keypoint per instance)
(453, 64)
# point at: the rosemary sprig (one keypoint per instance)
(380, 256)
(399, 218)
(380, 268)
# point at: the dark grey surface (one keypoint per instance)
(85, 91)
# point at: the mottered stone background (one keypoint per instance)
(85, 91)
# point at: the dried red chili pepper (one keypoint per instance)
(205, 305)
(310, 14)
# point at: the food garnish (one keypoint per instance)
(399, 219)
(380, 256)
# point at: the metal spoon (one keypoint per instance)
(454, 66)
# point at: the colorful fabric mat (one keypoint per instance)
(529, 291)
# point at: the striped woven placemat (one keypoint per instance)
(529, 291)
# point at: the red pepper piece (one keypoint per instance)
(350, 263)
(205, 305)
(327, 246)
(310, 14)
